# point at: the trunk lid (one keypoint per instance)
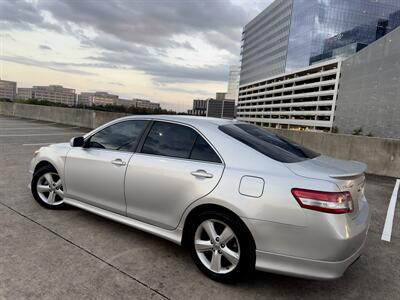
(347, 175)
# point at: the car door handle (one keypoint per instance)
(118, 162)
(202, 173)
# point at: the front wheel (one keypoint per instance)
(221, 247)
(47, 188)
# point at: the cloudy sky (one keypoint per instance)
(169, 51)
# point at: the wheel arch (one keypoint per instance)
(45, 161)
(212, 207)
(42, 164)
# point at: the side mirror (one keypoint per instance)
(78, 141)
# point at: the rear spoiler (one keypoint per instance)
(358, 169)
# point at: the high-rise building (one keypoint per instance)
(8, 89)
(359, 94)
(24, 93)
(292, 34)
(265, 41)
(233, 83)
(55, 93)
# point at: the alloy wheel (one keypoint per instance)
(49, 188)
(217, 246)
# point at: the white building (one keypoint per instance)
(233, 83)
(8, 89)
(55, 93)
(24, 93)
(302, 100)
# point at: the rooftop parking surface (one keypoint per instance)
(46, 254)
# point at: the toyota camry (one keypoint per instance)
(236, 195)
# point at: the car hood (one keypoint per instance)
(328, 168)
(60, 145)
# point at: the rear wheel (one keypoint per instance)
(47, 188)
(221, 247)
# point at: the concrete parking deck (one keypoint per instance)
(73, 254)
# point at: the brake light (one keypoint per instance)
(329, 202)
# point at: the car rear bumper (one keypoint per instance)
(322, 250)
(302, 267)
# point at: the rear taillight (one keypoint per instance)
(330, 202)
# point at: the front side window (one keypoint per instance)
(174, 140)
(269, 144)
(123, 136)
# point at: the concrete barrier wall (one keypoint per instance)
(380, 154)
(63, 115)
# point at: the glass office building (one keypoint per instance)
(292, 34)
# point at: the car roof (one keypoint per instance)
(192, 120)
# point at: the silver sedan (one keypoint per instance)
(238, 196)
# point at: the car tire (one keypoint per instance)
(47, 188)
(227, 256)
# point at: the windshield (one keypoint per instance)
(269, 144)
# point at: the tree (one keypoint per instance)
(357, 131)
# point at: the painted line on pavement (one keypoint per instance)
(28, 128)
(40, 134)
(28, 124)
(387, 229)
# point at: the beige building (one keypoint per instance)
(8, 89)
(24, 93)
(220, 96)
(138, 103)
(85, 99)
(55, 93)
(125, 102)
(97, 98)
(146, 104)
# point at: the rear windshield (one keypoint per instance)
(269, 144)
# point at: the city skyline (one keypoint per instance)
(164, 51)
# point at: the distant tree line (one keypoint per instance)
(109, 107)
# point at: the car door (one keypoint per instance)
(175, 166)
(95, 173)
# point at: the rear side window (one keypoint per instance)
(169, 139)
(174, 140)
(123, 136)
(203, 151)
(269, 144)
